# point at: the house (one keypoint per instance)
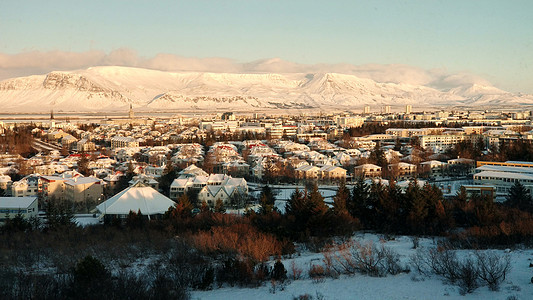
(5, 182)
(85, 145)
(146, 180)
(192, 171)
(80, 189)
(68, 141)
(56, 135)
(307, 172)
(230, 187)
(182, 185)
(433, 168)
(11, 206)
(121, 142)
(27, 186)
(136, 198)
(402, 170)
(367, 171)
(54, 186)
(328, 172)
(461, 166)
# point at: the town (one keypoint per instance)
(243, 188)
(224, 158)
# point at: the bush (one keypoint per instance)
(492, 269)
(317, 273)
(296, 272)
(279, 273)
(468, 273)
(350, 257)
(242, 239)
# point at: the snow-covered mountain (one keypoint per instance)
(115, 88)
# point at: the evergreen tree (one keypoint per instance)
(393, 208)
(267, 200)
(219, 206)
(519, 197)
(417, 208)
(59, 213)
(358, 202)
(83, 165)
(341, 198)
(316, 203)
(279, 272)
(183, 208)
(377, 156)
(296, 203)
(375, 215)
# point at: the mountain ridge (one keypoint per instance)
(109, 88)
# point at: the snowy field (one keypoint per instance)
(401, 286)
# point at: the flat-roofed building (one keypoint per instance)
(11, 206)
(503, 181)
(123, 141)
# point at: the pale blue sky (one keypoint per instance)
(493, 39)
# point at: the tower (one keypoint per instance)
(366, 110)
(408, 109)
(131, 115)
(387, 109)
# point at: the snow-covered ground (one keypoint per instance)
(86, 219)
(402, 286)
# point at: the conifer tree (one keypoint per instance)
(341, 199)
(267, 200)
(519, 197)
(358, 203)
(296, 203)
(219, 206)
(417, 208)
(316, 203)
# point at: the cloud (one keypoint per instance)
(36, 62)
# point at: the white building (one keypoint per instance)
(123, 141)
(137, 198)
(503, 181)
(11, 206)
(442, 142)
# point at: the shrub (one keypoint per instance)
(317, 273)
(468, 273)
(350, 257)
(279, 273)
(242, 239)
(492, 269)
(296, 272)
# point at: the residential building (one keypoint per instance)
(367, 171)
(122, 141)
(138, 198)
(80, 189)
(307, 172)
(11, 206)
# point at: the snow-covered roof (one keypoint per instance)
(82, 180)
(433, 163)
(525, 170)
(504, 175)
(16, 202)
(136, 198)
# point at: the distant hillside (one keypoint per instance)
(115, 88)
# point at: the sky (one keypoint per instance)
(491, 39)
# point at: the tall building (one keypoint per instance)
(131, 115)
(408, 109)
(366, 110)
(387, 109)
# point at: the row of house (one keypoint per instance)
(210, 188)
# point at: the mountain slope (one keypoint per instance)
(115, 88)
